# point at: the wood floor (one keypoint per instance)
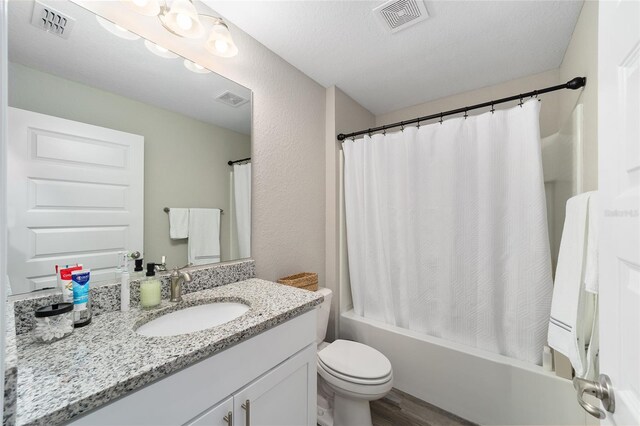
(401, 409)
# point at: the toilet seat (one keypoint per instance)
(355, 390)
(352, 379)
(354, 363)
(353, 359)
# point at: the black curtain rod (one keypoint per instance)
(231, 163)
(573, 84)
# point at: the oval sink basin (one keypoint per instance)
(192, 319)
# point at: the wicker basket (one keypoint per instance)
(304, 280)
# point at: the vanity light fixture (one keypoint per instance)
(145, 7)
(181, 18)
(159, 50)
(197, 68)
(116, 29)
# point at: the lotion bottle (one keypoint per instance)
(150, 288)
(125, 289)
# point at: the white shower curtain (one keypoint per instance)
(447, 231)
(242, 207)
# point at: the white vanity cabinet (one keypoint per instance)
(220, 415)
(267, 380)
(279, 398)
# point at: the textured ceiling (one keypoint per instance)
(97, 58)
(464, 45)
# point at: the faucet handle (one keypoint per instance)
(162, 265)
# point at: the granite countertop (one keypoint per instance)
(107, 359)
(10, 367)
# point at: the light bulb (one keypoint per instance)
(184, 21)
(198, 66)
(160, 48)
(221, 46)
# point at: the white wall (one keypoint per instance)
(343, 114)
(288, 223)
(549, 120)
(581, 58)
(288, 211)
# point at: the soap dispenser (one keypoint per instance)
(150, 288)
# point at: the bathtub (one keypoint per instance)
(482, 387)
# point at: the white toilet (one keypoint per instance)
(350, 375)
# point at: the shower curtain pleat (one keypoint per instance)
(447, 233)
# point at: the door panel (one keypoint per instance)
(220, 415)
(75, 194)
(619, 186)
(283, 397)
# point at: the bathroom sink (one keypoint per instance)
(192, 319)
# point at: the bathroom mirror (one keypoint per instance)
(109, 136)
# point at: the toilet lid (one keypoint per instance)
(355, 359)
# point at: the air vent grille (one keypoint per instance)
(231, 99)
(397, 15)
(50, 20)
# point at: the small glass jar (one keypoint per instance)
(53, 322)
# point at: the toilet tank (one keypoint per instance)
(323, 315)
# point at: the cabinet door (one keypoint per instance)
(285, 396)
(218, 415)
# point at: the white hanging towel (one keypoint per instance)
(572, 325)
(204, 236)
(178, 223)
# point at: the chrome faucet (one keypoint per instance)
(178, 276)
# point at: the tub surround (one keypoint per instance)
(451, 378)
(106, 297)
(108, 359)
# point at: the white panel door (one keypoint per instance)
(75, 194)
(285, 396)
(619, 185)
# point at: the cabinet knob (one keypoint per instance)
(247, 409)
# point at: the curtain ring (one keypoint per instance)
(384, 132)
(465, 114)
(492, 108)
(402, 126)
(440, 118)
(520, 101)
(369, 132)
(418, 123)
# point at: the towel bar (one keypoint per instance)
(167, 209)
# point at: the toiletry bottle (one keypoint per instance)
(150, 288)
(81, 297)
(65, 282)
(125, 292)
(138, 270)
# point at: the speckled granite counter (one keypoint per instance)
(10, 368)
(108, 359)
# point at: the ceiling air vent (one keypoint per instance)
(52, 21)
(231, 99)
(397, 15)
